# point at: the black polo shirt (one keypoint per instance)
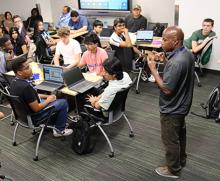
(179, 78)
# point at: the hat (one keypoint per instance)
(137, 7)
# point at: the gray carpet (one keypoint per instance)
(135, 158)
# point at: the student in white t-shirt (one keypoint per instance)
(68, 48)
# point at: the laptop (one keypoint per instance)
(75, 80)
(145, 36)
(53, 79)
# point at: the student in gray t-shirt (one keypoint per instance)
(135, 21)
(176, 92)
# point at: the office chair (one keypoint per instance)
(115, 112)
(23, 118)
(203, 58)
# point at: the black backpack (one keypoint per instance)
(158, 29)
(212, 106)
(83, 139)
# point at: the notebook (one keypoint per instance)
(145, 36)
(53, 79)
(75, 80)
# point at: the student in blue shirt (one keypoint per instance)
(79, 23)
(64, 18)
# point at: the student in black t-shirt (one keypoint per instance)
(29, 95)
(97, 29)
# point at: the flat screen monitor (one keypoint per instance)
(106, 5)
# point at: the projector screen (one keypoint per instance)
(109, 5)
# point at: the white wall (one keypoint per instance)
(23, 8)
(158, 10)
(191, 15)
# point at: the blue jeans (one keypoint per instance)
(61, 109)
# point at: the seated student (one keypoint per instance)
(18, 23)
(78, 23)
(121, 42)
(19, 45)
(200, 38)
(30, 97)
(135, 21)
(8, 22)
(97, 29)
(68, 48)
(35, 16)
(117, 79)
(7, 48)
(44, 43)
(64, 18)
(94, 56)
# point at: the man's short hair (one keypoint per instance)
(91, 38)
(118, 20)
(97, 23)
(17, 63)
(113, 67)
(209, 20)
(67, 8)
(16, 16)
(63, 32)
(74, 14)
(3, 40)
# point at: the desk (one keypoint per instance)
(156, 43)
(88, 76)
(72, 35)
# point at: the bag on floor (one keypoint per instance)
(212, 106)
(83, 140)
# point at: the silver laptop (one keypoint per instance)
(75, 80)
(53, 79)
(145, 36)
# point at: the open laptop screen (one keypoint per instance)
(145, 35)
(52, 73)
(72, 76)
(46, 26)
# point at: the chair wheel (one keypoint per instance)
(137, 91)
(35, 158)
(14, 144)
(199, 85)
(217, 120)
(34, 132)
(131, 135)
(12, 123)
(111, 155)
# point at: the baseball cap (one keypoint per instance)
(137, 7)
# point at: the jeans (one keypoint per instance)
(61, 110)
(173, 134)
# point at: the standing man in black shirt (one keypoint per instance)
(22, 87)
(176, 92)
(135, 21)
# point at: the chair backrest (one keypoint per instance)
(157, 28)
(206, 51)
(106, 32)
(20, 109)
(111, 53)
(117, 107)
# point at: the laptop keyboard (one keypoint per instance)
(82, 86)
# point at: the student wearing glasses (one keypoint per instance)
(119, 40)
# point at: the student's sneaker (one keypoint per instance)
(65, 132)
(151, 78)
(164, 172)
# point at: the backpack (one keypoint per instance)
(212, 106)
(83, 140)
(158, 29)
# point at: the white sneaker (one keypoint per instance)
(65, 132)
(151, 78)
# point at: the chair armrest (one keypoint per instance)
(90, 107)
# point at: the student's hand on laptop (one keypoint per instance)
(51, 98)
